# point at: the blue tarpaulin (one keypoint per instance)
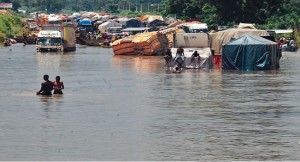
(250, 53)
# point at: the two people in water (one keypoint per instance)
(48, 86)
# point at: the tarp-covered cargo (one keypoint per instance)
(170, 33)
(222, 37)
(150, 18)
(149, 43)
(250, 53)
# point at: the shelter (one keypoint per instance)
(157, 22)
(129, 22)
(250, 53)
(103, 27)
(225, 36)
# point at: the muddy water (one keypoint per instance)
(132, 108)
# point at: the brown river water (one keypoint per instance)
(132, 108)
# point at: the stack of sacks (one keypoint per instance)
(170, 34)
(123, 46)
(150, 43)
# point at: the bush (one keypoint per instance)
(10, 26)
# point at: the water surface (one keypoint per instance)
(132, 108)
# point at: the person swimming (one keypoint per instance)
(176, 69)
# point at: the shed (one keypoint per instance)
(103, 27)
(129, 22)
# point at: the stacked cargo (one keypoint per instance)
(170, 32)
(150, 43)
(123, 46)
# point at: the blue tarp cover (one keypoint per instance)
(85, 22)
(250, 53)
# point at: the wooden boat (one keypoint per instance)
(29, 40)
(6, 43)
(89, 42)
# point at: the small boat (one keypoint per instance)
(7, 43)
(89, 42)
(29, 40)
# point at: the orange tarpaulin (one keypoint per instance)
(149, 43)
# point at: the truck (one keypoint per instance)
(56, 37)
(85, 24)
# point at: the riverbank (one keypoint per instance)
(11, 25)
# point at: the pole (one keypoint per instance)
(136, 8)
(129, 6)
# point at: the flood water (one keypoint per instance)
(132, 108)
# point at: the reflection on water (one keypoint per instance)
(132, 108)
(139, 64)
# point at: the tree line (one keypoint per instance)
(277, 13)
(264, 13)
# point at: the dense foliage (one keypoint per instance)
(68, 6)
(266, 14)
(10, 26)
(213, 12)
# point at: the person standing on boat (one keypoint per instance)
(46, 87)
(58, 86)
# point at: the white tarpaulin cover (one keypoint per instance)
(205, 61)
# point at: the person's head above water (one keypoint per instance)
(46, 77)
(57, 78)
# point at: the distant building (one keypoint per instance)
(6, 6)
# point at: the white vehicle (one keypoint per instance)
(48, 40)
(56, 37)
(195, 27)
